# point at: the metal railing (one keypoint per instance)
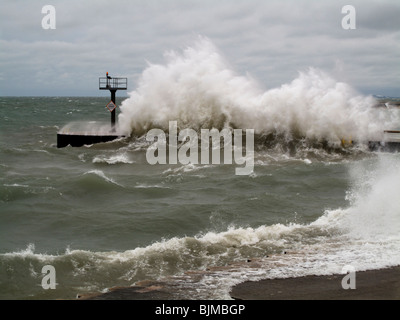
(107, 83)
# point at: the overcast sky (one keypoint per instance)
(269, 40)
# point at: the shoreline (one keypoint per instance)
(379, 284)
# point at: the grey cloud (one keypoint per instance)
(270, 40)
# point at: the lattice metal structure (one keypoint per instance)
(113, 84)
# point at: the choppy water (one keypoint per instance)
(102, 216)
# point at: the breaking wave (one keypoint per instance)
(365, 234)
(199, 89)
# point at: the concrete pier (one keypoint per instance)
(78, 140)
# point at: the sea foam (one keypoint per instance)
(199, 89)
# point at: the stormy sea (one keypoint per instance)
(316, 200)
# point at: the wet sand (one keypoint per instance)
(150, 291)
(383, 284)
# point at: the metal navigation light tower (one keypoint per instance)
(113, 84)
(77, 137)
